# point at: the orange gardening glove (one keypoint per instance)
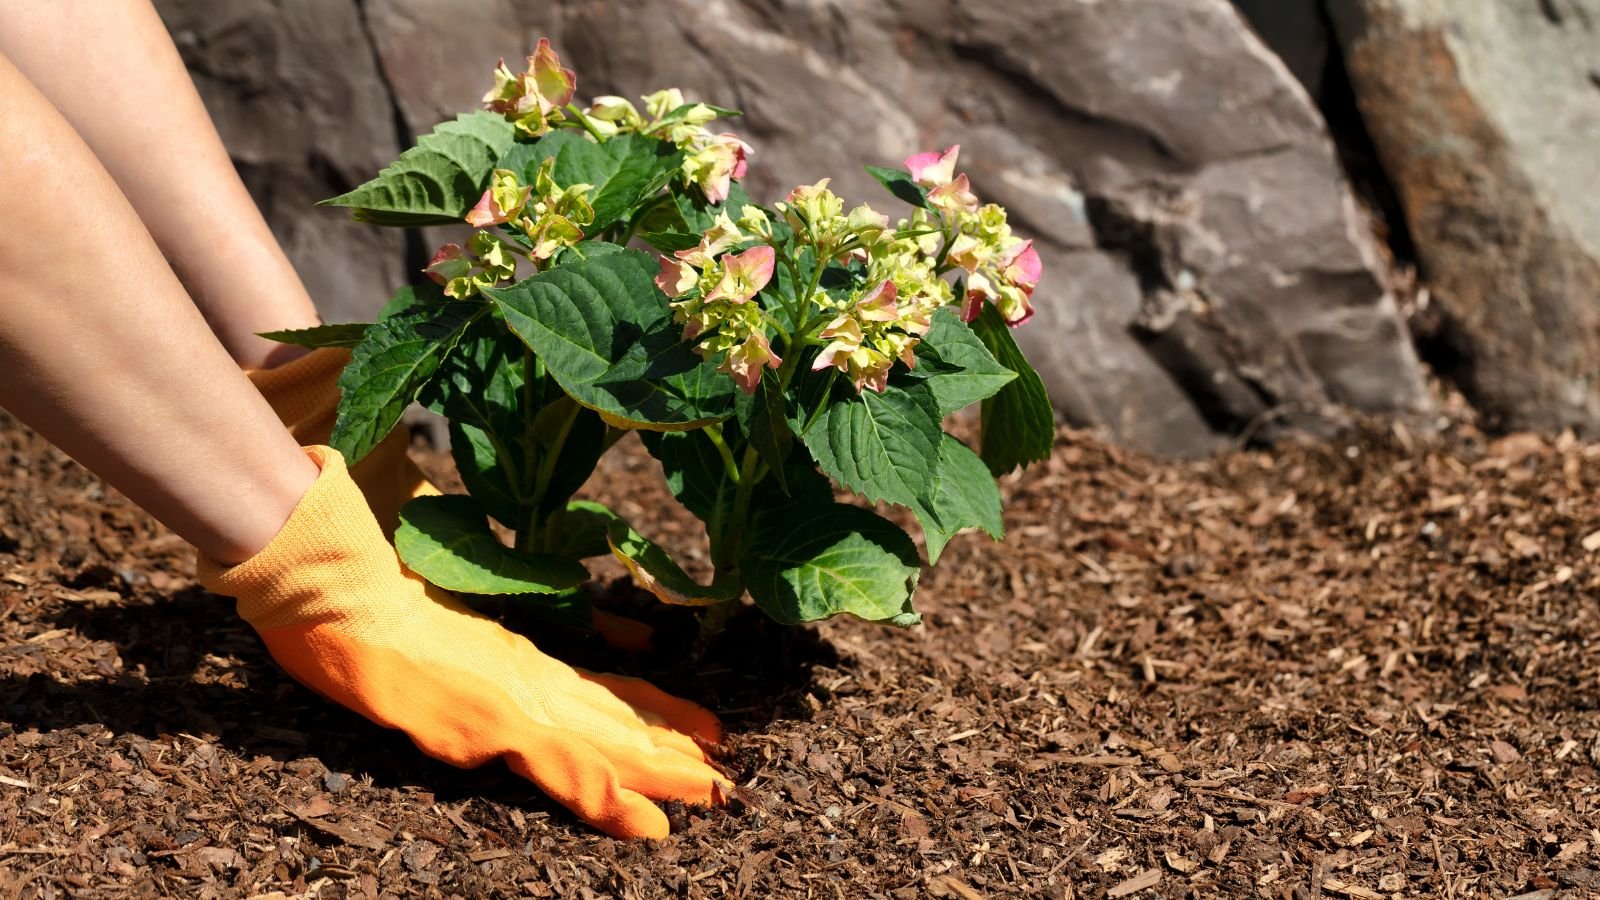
(345, 618)
(305, 395)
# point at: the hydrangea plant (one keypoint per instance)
(767, 356)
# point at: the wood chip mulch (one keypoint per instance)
(1367, 669)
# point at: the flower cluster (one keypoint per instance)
(883, 322)
(532, 99)
(486, 261)
(711, 161)
(546, 215)
(1000, 267)
(714, 300)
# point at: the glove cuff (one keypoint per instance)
(330, 548)
(305, 392)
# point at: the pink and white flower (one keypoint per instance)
(933, 169)
(677, 277)
(744, 275)
(528, 98)
(746, 361)
(715, 166)
(954, 196)
(501, 203)
(878, 304)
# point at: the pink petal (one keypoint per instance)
(1023, 267)
(676, 277)
(933, 169)
(876, 380)
(556, 85)
(954, 195)
(879, 304)
(972, 307)
(754, 266)
(486, 212)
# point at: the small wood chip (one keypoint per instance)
(1183, 865)
(1503, 752)
(950, 886)
(14, 782)
(1101, 760)
(482, 856)
(1350, 890)
(1149, 878)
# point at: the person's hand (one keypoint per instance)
(304, 392)
(344, 617)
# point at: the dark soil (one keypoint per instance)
(1360, 670)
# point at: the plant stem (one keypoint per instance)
(528, 535)
(728, 554)
(547, 468)
(712, 622)
(584, 121)
(714, 434)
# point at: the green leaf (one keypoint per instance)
(806, 560)
(438, 180)
(393, 363)
(478, 388)
(763, 418)
(695, 474)
(447, 540)
(580, 530)
(579, 451)
(655, 571)
(690, 213)
(413, 298)
(883, 446)
(964, 496)
(488, 478)
(956, 365)
(605, 333)
(1019, 424)
(901, 185)
(343, 334)
(624, 170)
(670, 241)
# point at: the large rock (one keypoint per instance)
(1487, 119)
(1207, 272)
(296, 92)
(1297, 31)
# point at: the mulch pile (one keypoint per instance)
(1365, 669)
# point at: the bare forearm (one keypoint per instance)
(113, 72)
(105, 355)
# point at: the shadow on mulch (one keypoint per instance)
(754, 674)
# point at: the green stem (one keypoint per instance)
(811, 419)
(547, 469)
(528, 535)
(712, 622)
(714, 434)
(944, 251)
(726, 555)
(584, 121)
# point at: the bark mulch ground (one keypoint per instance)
(1367, 669)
